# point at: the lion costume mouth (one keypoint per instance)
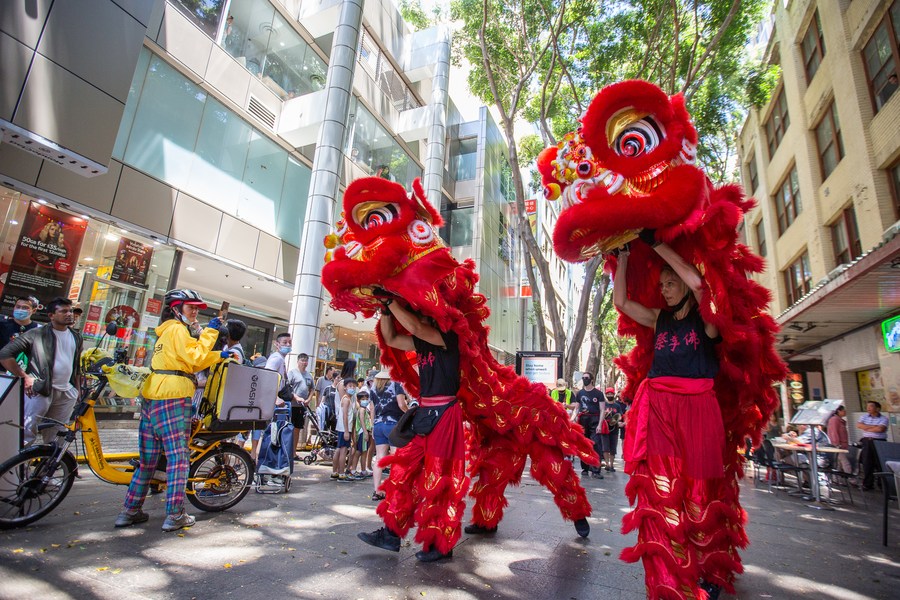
(383, 231)
(614, 176)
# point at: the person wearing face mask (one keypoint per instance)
(47, 360)
(590, 402)
(281, 347)
(20, 321)
(361, 428)
(166, 406)
(344, 411)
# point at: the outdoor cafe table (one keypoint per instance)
(808, 448)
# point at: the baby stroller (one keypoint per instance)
(276, 454)
(324, 441)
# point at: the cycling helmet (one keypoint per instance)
(178, 297)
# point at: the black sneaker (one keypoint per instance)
(597, 474)
(584, 472)
(582, 527)
(432, 555)
(711, 589)
(382, 538)
(474, 529)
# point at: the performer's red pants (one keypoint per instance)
(428, 483)
(687, 513)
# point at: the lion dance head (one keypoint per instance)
(631, 166)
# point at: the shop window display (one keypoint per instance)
(110, 273)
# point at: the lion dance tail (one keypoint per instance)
(542, 433)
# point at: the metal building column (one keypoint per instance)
(324, 182)
(437, 135)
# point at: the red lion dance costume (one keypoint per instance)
(629, 167)
(388, 239)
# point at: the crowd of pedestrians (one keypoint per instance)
(361, 409)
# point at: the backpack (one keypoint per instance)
(328, 400)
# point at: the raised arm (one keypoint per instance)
(637, 311)
(414, 326)
(689, 275)
(390, 335)
(686, 271)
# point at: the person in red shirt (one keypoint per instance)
(837, 433)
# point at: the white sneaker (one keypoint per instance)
(179, 521)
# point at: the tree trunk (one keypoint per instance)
(581, 316)
(597, 314)
(535, 296)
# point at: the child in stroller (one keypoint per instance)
(323, 439)
(275, 464)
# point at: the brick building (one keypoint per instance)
(822, 158)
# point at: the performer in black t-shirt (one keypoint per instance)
(590, 401)
(675, 441)
(428, 481)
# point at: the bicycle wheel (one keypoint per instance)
(220, 479)
(32, 484)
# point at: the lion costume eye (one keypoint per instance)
(377, 217)
(641, 137)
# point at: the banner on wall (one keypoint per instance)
(132, 262)
(43, 263)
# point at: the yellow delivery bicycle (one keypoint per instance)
(38, 478)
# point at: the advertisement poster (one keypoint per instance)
(132, 262)
(540, 367)
(43, 263)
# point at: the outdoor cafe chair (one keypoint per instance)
(782, 467)
(887, 452)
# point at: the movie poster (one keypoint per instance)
(44, 260)
(132, 263)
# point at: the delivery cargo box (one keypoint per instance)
(238, 397)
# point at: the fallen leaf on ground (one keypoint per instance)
(103, 568)
(18, 550)
(116, 571)
(227, 565)
(54, 545)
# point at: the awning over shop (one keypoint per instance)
(860, 294)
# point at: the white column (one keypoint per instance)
(324, 183)
(434, 162)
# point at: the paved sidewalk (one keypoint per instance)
(303, 545)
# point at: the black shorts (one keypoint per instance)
(609, 442)
(298, 416)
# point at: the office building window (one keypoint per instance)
(376, 151)
(845, 237)
(787, 201)
(895, 187)
(761, 237)
(205, 14)
(459, 224)
(380, 69)
(813, 47)
(752, 174)
(256, 35)
(463, 156)
(172, 130)
(778, 122)
(797, 279)
(831, 145)
(881, 57)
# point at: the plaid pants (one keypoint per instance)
(164, 428)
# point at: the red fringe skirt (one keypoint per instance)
(686, 511)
